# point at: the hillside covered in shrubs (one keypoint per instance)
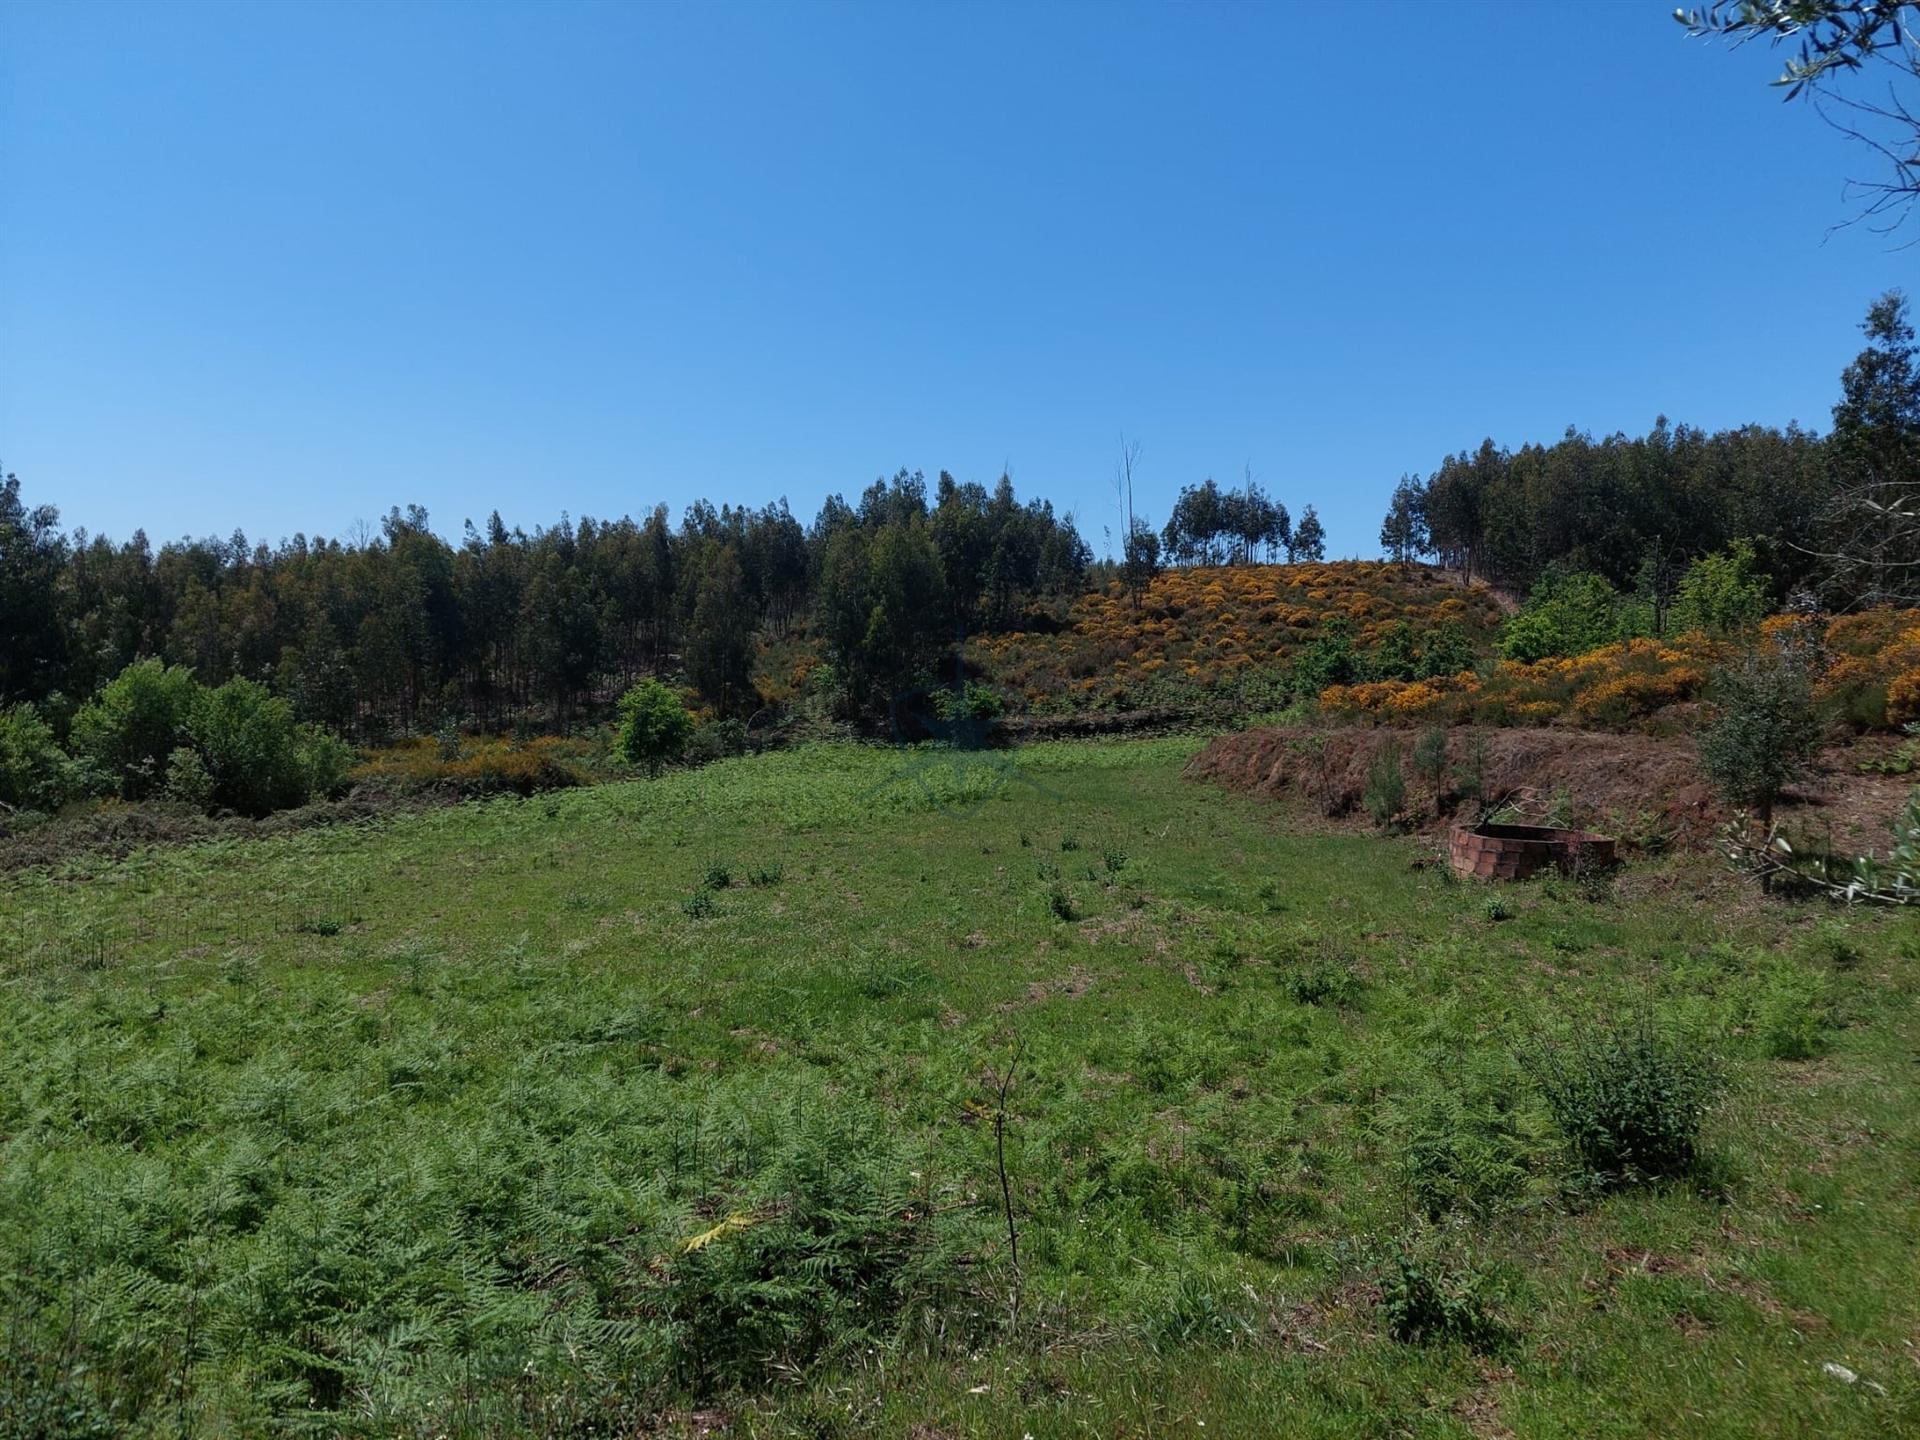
(232, 676)
(1262, 634)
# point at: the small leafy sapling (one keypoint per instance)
(1385, 793)
(654, 726)
(1763, 728)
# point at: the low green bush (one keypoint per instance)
(1428, 1303)
(717, 740)
(251, 748)
(154, 729)
(1763, 728)
(1629, 1099)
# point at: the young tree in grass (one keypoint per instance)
(654, 726)
(1763, 728)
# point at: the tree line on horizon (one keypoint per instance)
(403, 631)
(406, 632)
(1833, 516)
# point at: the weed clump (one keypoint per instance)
(829, 1246)
(699, 906)
(1464, 1148)
(1428, 1304)
(1319, 982)
(1793, 1014)
(1310, 975)
(1060, 901)
(1630, 1100)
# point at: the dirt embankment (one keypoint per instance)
(1634, 785)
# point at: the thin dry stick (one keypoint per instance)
(1006, 1188)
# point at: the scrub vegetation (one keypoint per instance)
(721, 1102)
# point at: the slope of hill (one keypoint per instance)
(1216, 631)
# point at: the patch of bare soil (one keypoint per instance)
(1637, 786)
(1075, 983)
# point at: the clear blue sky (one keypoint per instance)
(280, 267)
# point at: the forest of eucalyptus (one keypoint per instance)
(400, 632)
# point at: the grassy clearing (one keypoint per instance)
(650, 1107)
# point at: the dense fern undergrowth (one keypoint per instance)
(653, 1108)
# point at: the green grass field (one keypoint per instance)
(657, 1108)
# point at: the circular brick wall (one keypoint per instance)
(1513, 852)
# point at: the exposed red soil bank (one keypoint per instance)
(1619, 784)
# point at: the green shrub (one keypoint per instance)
(717, 740)
(1425, 1303)
(1327, 659)
(238, 747)
(35, 773)
(1568, 613)
(323, 759)
(1722, 594)
(1630, 1100)
(976, 702)
(249, 744)
(654, 726)
(1763, 728)
(187, 779)
(138, 719)
(1318, 980)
